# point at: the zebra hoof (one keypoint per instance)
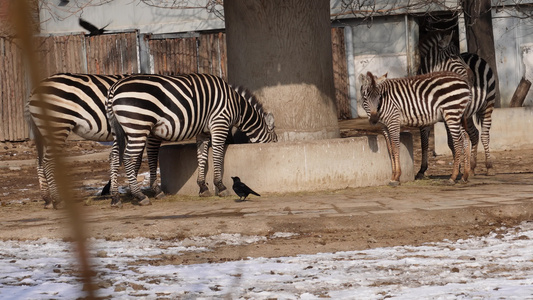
(117, 204)
(420, 176)
(48, 205)
(160, 195)
(224, 193)
(394, 183)
(145, 202)
(59, 205)
(206, 193)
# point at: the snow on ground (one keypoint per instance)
(498, 266)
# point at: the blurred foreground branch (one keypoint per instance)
(20, 17)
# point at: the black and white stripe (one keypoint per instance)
(417, 101)
(59, 105)
(155, 108)
(437, 53)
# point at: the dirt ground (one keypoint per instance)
(316, 230)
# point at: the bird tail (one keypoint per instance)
(254, 193)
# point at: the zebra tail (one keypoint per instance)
(120, 137)
(38, 138)
(117, 130)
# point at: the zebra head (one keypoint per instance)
(371, 95)
(435, 51)
(254, 121)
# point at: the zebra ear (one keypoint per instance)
(371, 79)
(269, 119)
(362, 79)
(382, 78)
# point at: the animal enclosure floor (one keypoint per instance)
(349, 219)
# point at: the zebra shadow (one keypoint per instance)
(373, 143)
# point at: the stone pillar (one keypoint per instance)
(281, 51)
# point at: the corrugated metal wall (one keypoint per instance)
(60, 54)
(13, 92)
(203, 54)
(120, 54)
(112, 54)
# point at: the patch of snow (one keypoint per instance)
(496, 266)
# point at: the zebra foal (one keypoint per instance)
(59, 105)
(437, 53)
(154, 108)
(418, 101)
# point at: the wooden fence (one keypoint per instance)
(120, 54)
(13, 92)
(203, 54)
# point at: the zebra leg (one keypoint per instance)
(202, 151)
(152, 150)
(456, 133)
(218, 139)
(424, 143)
(486, 122)
(114, 161)
(473, 135)
(131, 155)
(43, 184)
(218, 163)
(49, 173)
(465, 139)
(129, 165)
(392, 137)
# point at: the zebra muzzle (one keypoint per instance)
(374, 118)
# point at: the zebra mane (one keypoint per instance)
(250, 97)
(433, 40)
(430, 41)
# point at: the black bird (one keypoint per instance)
(93, 30)
(241, 189)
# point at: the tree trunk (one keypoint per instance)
(281, 50)
(479, 34)
(520, 93)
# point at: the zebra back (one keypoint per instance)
(176, 108)
(70, 102)
(414, 101)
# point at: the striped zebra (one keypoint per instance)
(154, 108)
(59, 105)
(418, 101)
(437, 53)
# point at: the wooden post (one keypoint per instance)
(520, 93)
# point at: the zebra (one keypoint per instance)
(154, 108)
(418, 101)
(61, 104)
(437, 53)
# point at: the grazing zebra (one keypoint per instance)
(153, 108)
(59, 105)
(417, 101)
(437, 53)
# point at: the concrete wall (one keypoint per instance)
(291, 166)
(511, 129)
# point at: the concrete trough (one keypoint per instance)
(286, 167)
(511, 129)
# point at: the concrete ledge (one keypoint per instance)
(511, 129)
(290, 166)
